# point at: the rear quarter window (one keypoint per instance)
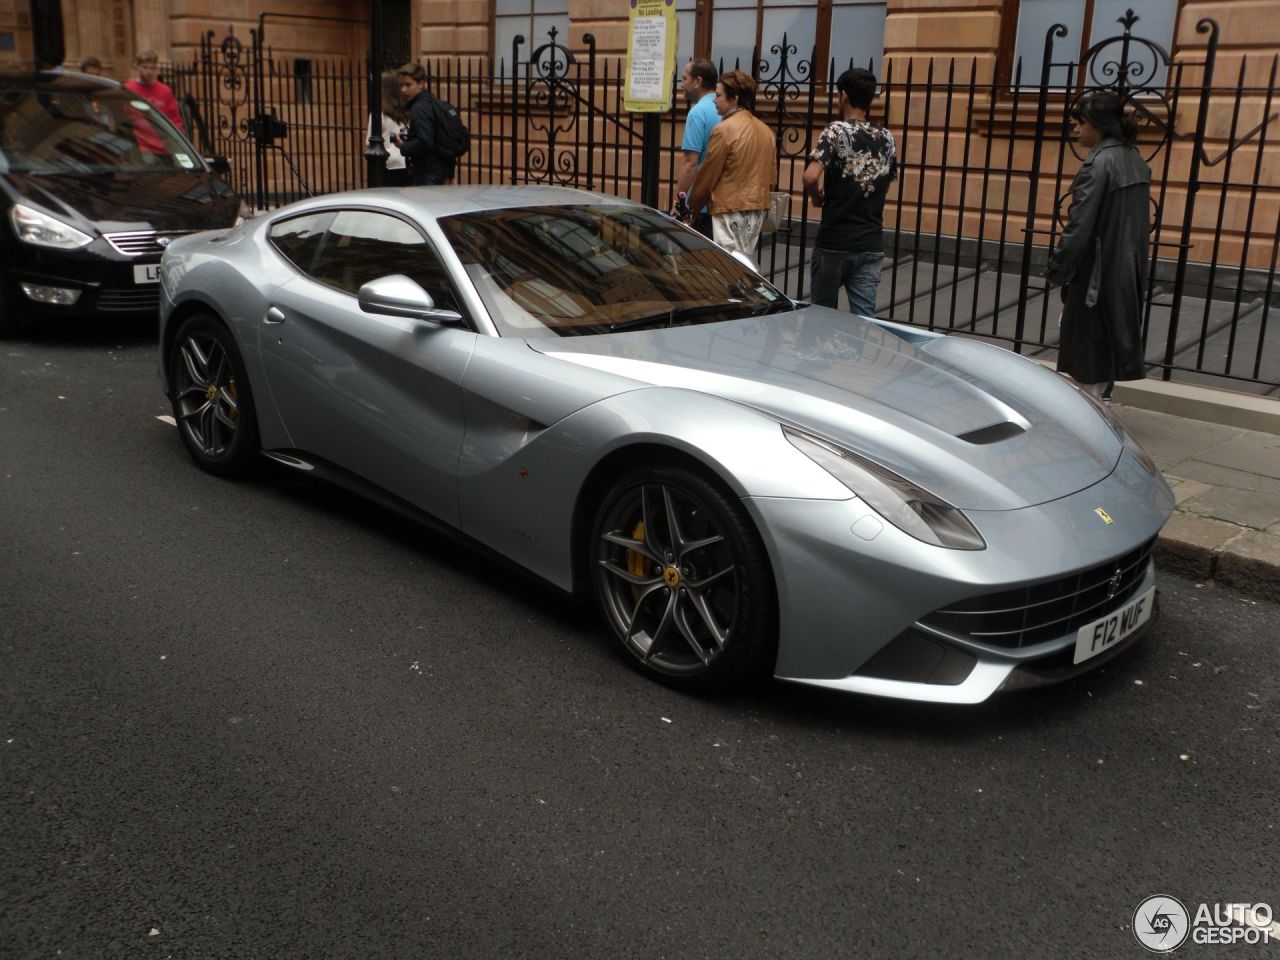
(299, 239)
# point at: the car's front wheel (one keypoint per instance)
(212, 402)
(683, 580)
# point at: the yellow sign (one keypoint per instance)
(651, 55)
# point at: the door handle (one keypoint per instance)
(273, 315)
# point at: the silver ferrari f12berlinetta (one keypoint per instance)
(744, 485)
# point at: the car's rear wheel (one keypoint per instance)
(212, 402)
(683, 580)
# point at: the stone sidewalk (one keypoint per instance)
(1220, 452)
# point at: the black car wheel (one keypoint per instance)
(212, 402)
(682, 579)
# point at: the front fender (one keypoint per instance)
(203, 280)
(519, 489)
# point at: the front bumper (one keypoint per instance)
(107, 287)
(988, 673)
(845, 599)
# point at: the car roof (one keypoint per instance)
(14, 78)
(445, 201)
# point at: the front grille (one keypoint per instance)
(138, 243)
(1045, 611)
(142, 300)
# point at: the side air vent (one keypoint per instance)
(992, 434)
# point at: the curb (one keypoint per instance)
(1245, 411)
(1204, 549)
(1241, 410)
(1201, 548)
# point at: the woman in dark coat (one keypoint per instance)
(1101, 260)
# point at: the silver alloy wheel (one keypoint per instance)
(668, 579)
(207, 398)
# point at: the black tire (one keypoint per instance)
(694, 606)
(212, 402)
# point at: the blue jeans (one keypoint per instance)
(857, 272)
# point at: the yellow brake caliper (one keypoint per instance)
(636, 561)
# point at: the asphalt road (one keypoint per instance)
(266, 719)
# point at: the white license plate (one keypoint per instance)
(146, 273)
(1105, 633)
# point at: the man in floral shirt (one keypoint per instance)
(847, 177)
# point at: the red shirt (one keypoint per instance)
(160, 96)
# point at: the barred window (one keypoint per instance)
(532, 19)
(843, 31)
(1087, 22)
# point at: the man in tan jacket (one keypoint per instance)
(738, 172)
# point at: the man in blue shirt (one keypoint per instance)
(699, 84)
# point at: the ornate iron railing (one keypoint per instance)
(984, 169)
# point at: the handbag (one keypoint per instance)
(776, 213)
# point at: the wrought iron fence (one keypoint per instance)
(984, 171)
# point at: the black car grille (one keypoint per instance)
(138, 243)
(1046, 611)
(141, 300)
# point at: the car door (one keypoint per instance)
(378, 396)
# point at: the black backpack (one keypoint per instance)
(452, 138)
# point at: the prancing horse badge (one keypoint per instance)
(1106, 517)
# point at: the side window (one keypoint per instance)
(533, 19)
(1157, 20)
(299, 239)
(361, 245)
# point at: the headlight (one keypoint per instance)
(912, 509)
(1112, 421)
(42, 230)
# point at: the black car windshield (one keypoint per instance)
(86, 130)
(574, 270)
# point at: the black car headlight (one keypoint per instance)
(42, 230)
(909, 507)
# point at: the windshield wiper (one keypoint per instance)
(650, 321)
(673, 315)
(777, 306)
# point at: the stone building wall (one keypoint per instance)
(15, 31)
(113, 30)
(956, 40)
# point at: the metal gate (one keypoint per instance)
(984, 170)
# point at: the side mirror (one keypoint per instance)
(219, 165)
(399, 296)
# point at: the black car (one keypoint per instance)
(94, 183)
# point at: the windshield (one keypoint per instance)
(574, 270)
(100, 130)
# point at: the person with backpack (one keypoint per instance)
(435, 136)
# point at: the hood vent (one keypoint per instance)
(992, 434)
